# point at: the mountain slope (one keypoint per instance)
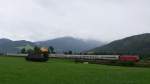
(3, 40)
(69, 43)
(138, 44)
(60, 44)
(9, 46)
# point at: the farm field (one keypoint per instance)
(16, 70)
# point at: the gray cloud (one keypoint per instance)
(89, 19)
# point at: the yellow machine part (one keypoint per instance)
(44, 49)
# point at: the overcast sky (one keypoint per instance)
(104, 20)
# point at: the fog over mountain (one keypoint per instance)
(60, 45)
(104, 20)
(69, 43)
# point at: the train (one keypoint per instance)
(121, 58)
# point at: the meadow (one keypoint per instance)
(16, 70)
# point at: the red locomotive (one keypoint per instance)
(129, 58)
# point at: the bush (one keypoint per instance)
(127, 63)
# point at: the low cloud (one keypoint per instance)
(105, 20)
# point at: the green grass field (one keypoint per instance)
(18, 71)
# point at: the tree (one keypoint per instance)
(23, 50)
(30, 51)
(51, 49)
(65, 53)
(37, 50)
(70, 52)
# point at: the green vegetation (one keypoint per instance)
(138, 44)
(18, 71)
(27, 47)
(9, 46)
(51, 50)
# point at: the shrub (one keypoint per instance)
(127, 63)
